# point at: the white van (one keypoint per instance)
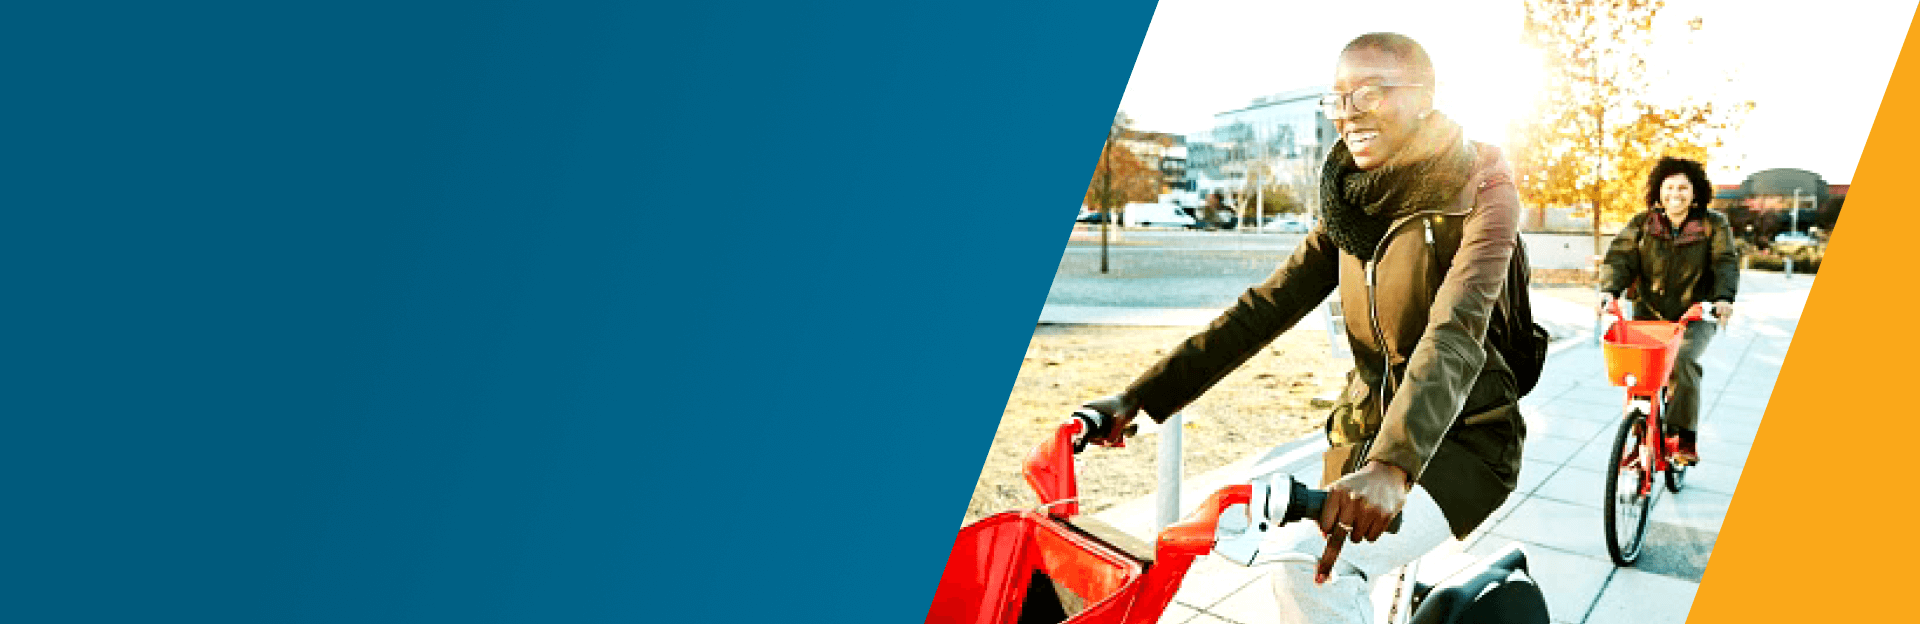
(1152, 214)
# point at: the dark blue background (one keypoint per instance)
(411, 312)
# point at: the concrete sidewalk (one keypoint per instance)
(1572, 418)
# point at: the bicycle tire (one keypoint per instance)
(1625, 547)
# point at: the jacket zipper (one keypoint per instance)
(1373, 316)
(1373, 308)
(1384, 394)
(1673, 250)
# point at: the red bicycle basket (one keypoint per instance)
(1005, 561)
(1643, 349)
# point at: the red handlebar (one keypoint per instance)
(1049, 470)
(1613, 305)
(1696, 312)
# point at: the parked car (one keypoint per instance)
(1788, 242)
(1290, 223)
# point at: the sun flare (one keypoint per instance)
(1499, 91)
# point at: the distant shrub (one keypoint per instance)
(1805, 259)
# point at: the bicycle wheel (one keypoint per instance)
(1630, 492)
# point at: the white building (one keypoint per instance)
(1282, 138)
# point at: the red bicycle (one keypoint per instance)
(1640, 356)
(1054, 565)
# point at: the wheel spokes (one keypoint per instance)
(1631, 491)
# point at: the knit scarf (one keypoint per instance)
(1426, 174)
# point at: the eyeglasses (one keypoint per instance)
(1360, 100)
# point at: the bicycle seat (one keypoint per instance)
(1497, 589)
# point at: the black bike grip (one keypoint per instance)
(1097, 425)
(1306, 504)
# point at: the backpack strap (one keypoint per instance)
(1443, 240)
(1446, 231)
(1447, 239)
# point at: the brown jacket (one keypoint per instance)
(1668, 270)
(1451, 420)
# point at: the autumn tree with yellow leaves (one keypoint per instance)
(1120, 176)
(1595, 131)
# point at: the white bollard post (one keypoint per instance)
(1166, 509)
(1599, 316)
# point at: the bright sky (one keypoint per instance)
(1816, 71)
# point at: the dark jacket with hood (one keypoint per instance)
(1669, 268)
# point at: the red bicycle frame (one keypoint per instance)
(1640, 355)
(987, 574)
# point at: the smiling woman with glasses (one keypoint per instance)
(1419, 226)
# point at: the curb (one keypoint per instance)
(1576, 340)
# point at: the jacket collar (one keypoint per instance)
(1693, 230)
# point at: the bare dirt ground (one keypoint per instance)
(1268, 401)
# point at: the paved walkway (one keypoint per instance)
(1555, 513)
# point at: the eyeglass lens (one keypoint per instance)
(1361, 100)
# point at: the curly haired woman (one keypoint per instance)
(1672, 256)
